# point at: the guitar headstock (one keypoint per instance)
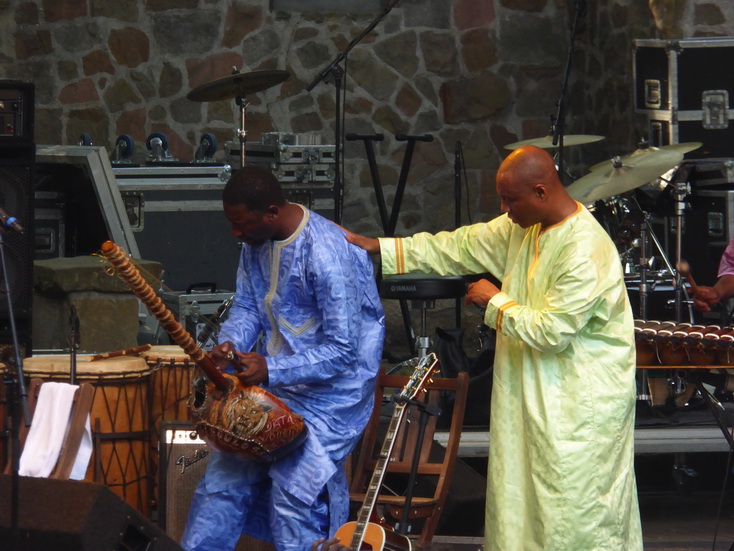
(422, 373)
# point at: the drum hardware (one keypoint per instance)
(681, 191)
(423, 292)
(237, 86)
(630, 228)
(644, 267)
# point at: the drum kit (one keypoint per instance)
(608, 191)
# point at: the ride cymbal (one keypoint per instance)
(547, 141)
(237, 85)
(622, 174)
(682, 148)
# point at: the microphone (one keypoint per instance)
(9, 222)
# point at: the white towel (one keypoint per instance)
(48, 429)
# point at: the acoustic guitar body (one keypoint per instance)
(376, 538)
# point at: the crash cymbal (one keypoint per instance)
(237, 85)
(547, 141)
(682, 148)
(622, 174)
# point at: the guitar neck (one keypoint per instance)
(365, 511)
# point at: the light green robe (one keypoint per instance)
(561, 460)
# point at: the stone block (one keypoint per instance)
(107, 321)
(107, 309)
(86, 273)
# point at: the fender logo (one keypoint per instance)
(186, 462)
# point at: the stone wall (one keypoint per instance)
(480, 72)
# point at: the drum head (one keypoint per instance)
(60, 367)
(166, 354)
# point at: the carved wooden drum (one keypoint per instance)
(119, 418)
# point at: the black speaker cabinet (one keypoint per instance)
(16, 177)
(67, 515)
(183, 458)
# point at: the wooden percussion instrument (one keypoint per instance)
(119, 419)
(683, 344)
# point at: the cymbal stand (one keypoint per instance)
(242, 130)
(644, 266)
(681, 191)
(17, 403)
(647, 232)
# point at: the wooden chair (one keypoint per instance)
(81, 408)
(436, 464)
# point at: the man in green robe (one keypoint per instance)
(561, 459)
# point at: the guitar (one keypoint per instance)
(361, 533)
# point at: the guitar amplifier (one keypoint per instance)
(182, 461)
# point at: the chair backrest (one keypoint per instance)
(435, 468)
(81, 408)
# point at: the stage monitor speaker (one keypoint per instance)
(183, 458)
(67, 515)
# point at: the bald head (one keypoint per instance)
(530, 189)
(529, 165)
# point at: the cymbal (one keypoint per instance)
(622, 174)
(683, 148)
(237, 85)
(547, 141)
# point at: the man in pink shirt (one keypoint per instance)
(706, 297)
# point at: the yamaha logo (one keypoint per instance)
(403, 288)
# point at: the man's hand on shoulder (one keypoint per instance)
(369, 244)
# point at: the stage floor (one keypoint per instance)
(670, 522)
(681, 463)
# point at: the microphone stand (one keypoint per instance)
(17, 400)
(337, 74)
(73, 343)
(458, 155)
(559, 122)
